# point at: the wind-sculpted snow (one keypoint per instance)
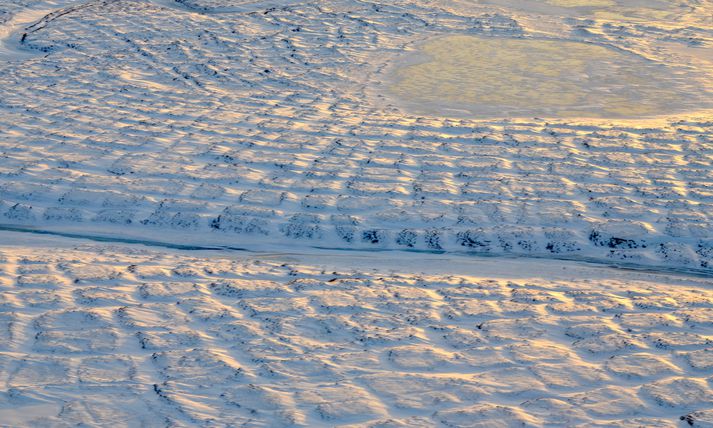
(97, 335)
(254, 124)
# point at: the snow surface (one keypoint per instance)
(203, 127)
(119, 335)
(258, 124)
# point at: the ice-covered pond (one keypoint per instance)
(637, 9)
(497, 76)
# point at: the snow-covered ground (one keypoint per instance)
(246, 124)
(273, 155)
(117, 335)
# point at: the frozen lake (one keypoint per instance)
(626, 9)
(499, 77)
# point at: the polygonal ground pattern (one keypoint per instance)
(244, 122)
(174, 339)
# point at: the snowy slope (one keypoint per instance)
(258, 124)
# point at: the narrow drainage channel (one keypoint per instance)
(95, 238)
(592, 262)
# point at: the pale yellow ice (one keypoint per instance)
(502, 76)
(582, 3)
